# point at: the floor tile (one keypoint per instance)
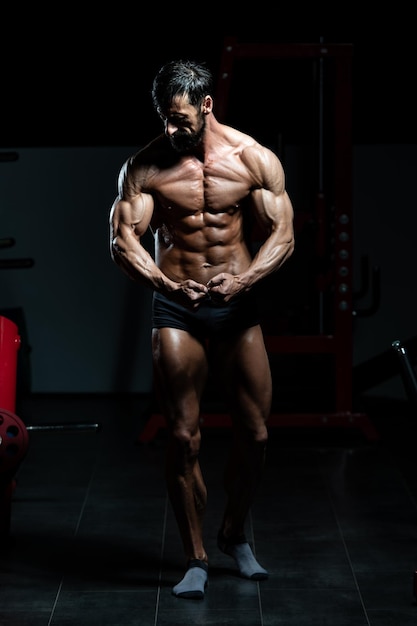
(93, 538)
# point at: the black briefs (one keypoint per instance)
(208, 319)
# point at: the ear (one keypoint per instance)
(207, 105)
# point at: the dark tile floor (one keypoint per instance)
(93, 541)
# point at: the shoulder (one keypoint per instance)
(157, 154)
(249, 149)
(140, 169)
(257, 155)
(263, 163)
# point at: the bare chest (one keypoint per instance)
(194, 186)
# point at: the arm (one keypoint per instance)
(129, 220)
(273, 210)
(130, 217)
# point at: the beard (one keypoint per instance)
(184, 142)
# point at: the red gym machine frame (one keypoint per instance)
(339, 343)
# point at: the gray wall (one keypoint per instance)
(88, 326)
(385, 222)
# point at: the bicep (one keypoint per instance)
(131, 217)
(273, 211)
(269, 198)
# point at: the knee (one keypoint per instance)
(187, 442)
(260, 436)
(257, 433)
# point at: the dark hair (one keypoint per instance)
(178, 78)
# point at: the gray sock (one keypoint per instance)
(193, 584)
(241, 552)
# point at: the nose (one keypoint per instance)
(170, 128)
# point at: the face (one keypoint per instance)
(184, 125)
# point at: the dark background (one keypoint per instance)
(83, 78)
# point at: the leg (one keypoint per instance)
(181, 371)
(250, 393)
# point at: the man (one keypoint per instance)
(198, 186)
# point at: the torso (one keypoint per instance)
(199, 213)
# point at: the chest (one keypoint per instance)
(192, 185)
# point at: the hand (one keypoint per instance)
(189, 294)
(223, 287)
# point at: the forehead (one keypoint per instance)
(180, 105)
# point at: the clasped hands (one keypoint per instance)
(221, 289)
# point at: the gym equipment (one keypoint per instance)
(409, 379)
(407, 372)
(14, 434)
(9, 346)
(14, 438)
(8, 264)
(14, 441)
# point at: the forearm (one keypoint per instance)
(272, 254)
(139, 266)
(275, 212)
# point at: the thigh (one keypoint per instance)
(243, 365)
(180, 371)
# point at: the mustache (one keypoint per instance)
(182, 141)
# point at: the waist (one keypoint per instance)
(180, 265)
